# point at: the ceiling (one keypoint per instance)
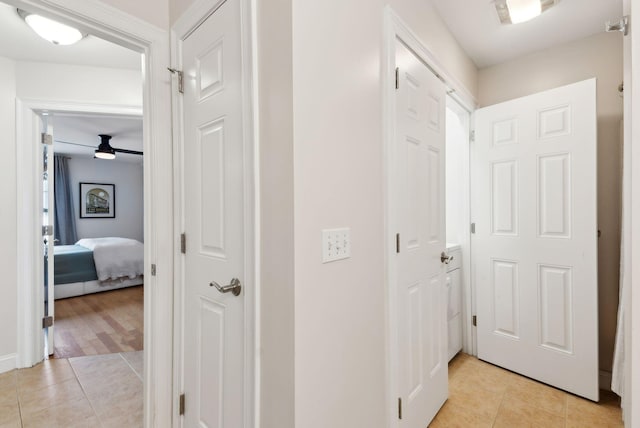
(475, 24)
(19, 42)
(77, 135)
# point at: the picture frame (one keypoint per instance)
(97, 200)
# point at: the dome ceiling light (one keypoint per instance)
(517, 11)
(50, 30)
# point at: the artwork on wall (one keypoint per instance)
(97, 200)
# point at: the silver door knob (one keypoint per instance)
(444, 258)
(235, 287)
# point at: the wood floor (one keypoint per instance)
(100, 323)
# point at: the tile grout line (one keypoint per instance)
(131, 367)
(75, 373)
(18, 401)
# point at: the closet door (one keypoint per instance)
(419, 152)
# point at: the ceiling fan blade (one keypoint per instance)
(131, 152)
(74, 144)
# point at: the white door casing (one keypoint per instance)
(49, 204)
(214, 195)
(535, 247)
(419, 200)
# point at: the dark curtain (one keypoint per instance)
(65, 219)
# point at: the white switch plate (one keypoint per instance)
(336, 244)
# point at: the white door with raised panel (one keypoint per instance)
(214, 188)
(535, 247)
(419, 152)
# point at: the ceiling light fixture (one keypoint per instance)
(517, 11)
(50, 30)
(105, 151)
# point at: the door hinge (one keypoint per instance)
(47, 230)
(180, 78)
(472, 136)
(473, 228)
(397, 242)
(397, 78)
(153, 269)
(47, 322)
(474, 320)
(399, 408)
(181, 405)
(47, 139)
(183, 243)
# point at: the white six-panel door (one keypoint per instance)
(419, 199)
(535, 246)
(213, 327)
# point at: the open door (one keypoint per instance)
(48, 212)
(535, 248)
(419, 192)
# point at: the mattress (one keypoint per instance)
(73, 263)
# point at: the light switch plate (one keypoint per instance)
(336, 244)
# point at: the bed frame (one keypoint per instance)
(62, 291)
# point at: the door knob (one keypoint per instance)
(235, 287)
(444, 258)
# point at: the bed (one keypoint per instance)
(98, 264)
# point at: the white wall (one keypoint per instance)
(277, 225)
(456, 171)
(8, 261)
(128, 180)
(597, 56)
(155, 12)
(80, 84)
(46, 82)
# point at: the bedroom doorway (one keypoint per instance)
(95, 225)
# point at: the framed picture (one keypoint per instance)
(97, 200)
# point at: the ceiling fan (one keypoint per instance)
(104, 150)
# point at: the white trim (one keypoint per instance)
(468, 331)
(7, 362)
(191, 19)
(632, 321)
(257, 233)
(395, 28)
(28, 127)
(116, 26)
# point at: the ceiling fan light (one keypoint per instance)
(50, 30)
(104, 150)
(523, 10)
(104, 155)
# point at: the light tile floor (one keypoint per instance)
(93, 391)
(483, 395)
(106, 391)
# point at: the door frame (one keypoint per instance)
(28, 155)
(396, 29)
(188, 22)
(468, 293)
(126, 30)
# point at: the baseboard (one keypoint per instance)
(605, 380)
(7, 362)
